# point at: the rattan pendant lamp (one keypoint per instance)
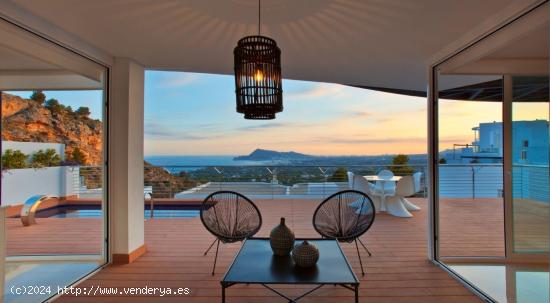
(258, 81)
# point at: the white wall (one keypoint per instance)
(20, 184)
(126, 156)
(30, 148)
(468, 181)
(3, 240)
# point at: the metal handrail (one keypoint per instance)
(151, 205)
(30, 207)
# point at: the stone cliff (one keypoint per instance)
(26, 120)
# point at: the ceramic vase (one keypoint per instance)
(305, 254)
(281, 239)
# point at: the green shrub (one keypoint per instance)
(47, 158)
(83, 111)
(78, 156)
(402, 168)
(339, 175)
(54, 106)
(13, 159)
(38, 96)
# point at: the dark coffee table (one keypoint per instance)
(256, 264)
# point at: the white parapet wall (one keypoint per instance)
(20, 184)
(3, 254)
(30, 148)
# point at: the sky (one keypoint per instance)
(194, 114)
(75, 99)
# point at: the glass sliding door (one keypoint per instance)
(490, 112)
(530, 175)
(471, 204)
(53, 174)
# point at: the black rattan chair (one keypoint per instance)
(345, 216)
(230, 217)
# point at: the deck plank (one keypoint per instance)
(398, 271)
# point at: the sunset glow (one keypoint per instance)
(194, 114)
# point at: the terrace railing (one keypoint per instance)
(262, 181)
(486, 181)
(280, 181)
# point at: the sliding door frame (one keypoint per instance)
(433, 156)
(105, 258)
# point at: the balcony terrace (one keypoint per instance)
(397, 272)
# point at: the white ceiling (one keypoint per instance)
(11, 59)
(532, 45)
(377, 43)
(19, 71)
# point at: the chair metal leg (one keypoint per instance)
(216, 258)
(359, 255)
(364, 246)
(209, 247)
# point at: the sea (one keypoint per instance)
(176, 164)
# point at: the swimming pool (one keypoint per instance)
(94, 211)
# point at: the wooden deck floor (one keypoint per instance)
(397, 272)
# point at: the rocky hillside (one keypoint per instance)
(26, 120)
(272, 155)
(164, 184)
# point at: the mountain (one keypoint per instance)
(271, 155)
(26, 120)
(164, 184)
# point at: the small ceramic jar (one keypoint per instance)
(281, 239)
(305, 254)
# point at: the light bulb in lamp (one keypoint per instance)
(258, 75)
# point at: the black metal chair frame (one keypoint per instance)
(349, 238)
(225, 238)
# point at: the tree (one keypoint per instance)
(83, 111)
(78, 156)
(400, 166)
(54, 106)
(46, 158)
(339, 175)
(442, 161)
(38, 96)
(12, 159)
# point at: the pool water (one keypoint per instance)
(94, 211)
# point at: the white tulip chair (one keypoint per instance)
(351, 185)
(417, 176)
(383, 189)
(399, 206)
(361, 184)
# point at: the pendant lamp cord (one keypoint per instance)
(259, 15)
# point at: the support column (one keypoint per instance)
(126, 161)
(3, 241)
(507, 102)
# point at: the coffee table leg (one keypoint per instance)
(223, 293)
(356, 293)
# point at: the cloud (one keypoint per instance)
(361, 114)
(376, 140)
(176, 79)
(274, 125)
(317, 91)
(262, 126)
(156, 131)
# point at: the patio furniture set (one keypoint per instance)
(389, 192)
(342, 217)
